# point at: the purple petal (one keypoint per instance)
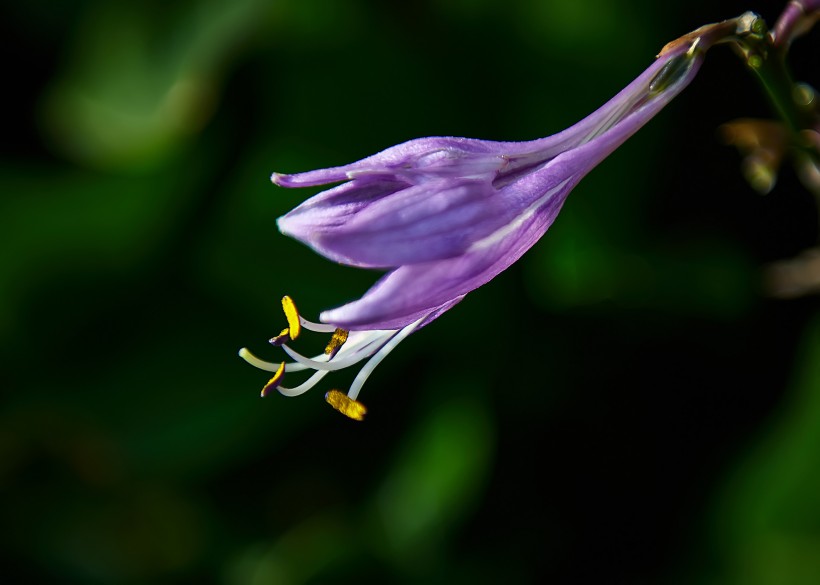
(422, 157)
(408, 292)
(438, 219)
(332, 208)
(411, 226)
(473, 158)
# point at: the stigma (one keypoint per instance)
(344, 349)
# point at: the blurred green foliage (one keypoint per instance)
(622, 406)
(769, 512)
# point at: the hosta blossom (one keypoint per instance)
(445, 215)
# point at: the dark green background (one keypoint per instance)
(623, 405)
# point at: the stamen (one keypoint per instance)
(368, 368)
(346, 405)
(303, 387)
(317, 327)
(344, 349)
(292, 315)
(283, 337)
(274, 382)
(246, 355)
(336, 342)
(327, 366)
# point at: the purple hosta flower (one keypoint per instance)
(446, 215)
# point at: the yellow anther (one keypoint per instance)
(336, 342)
(283, 337)
(292, 315)
(346, 405)
(275, 381)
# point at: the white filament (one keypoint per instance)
(304, 386)
(350, 353)
(246, 355)
(375, 344)
(327, 366)
(317, 327)
(368, 368)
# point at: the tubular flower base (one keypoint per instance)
(445, 215)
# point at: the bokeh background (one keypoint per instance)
(624, 405)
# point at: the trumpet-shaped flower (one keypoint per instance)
(445, 215)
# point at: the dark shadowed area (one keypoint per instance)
(624, 405)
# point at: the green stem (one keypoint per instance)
(770, 69)
(768, 63)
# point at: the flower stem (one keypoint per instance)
(795, 104)
(772, 74)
